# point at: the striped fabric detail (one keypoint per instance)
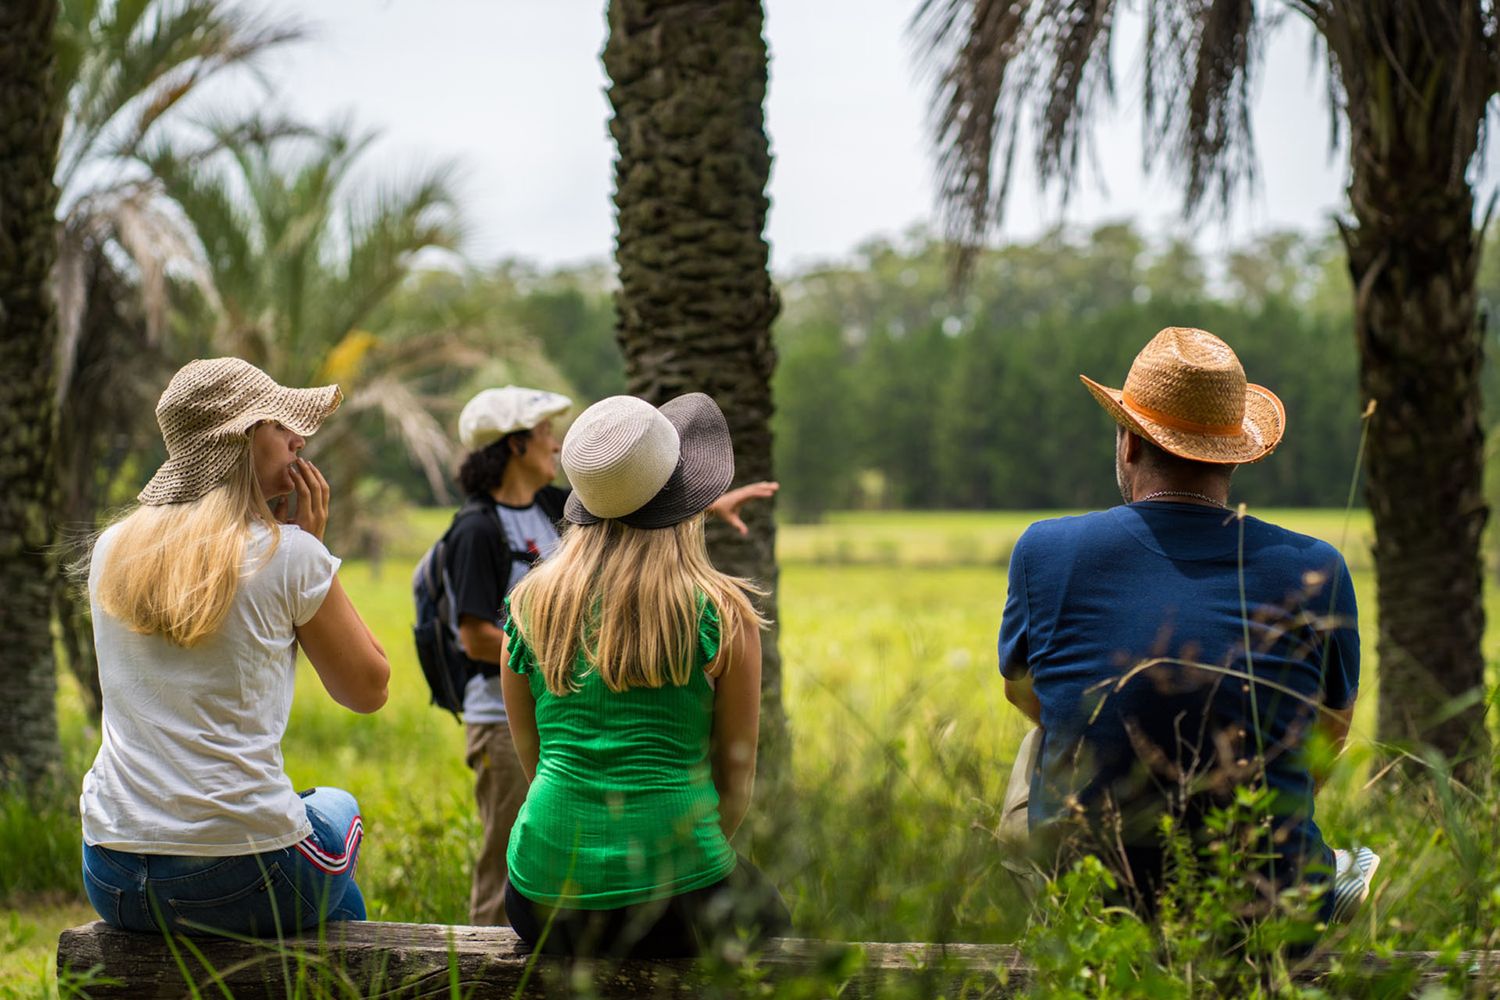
(334, 864)
(1353, 871)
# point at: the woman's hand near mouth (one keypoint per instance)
(312, 498)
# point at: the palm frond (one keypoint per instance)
(411, 420)
(133, 61)
(1004, 66)
(154, 243)
(1204, 60)
(215, 214)
(1081, 61)
(383, 235)
(978, 52)
(160, 243)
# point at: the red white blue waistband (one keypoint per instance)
(334, 864)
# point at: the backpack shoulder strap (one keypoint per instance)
(436, 563)
(475, 504)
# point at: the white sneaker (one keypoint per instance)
(1353, 871)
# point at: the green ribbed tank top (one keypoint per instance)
(623, 808)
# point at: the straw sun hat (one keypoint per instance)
(207, 413)
(645, 466)
(1187, 394)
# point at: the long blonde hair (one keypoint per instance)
(628, 600)
(173, 569)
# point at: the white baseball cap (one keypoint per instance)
(494, 413)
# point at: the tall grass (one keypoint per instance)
(902, 744)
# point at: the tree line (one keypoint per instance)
(892, 391)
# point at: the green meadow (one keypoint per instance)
(902, 742)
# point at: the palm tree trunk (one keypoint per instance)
(695, 302)
(1421, 351)
(30, 116)
(1415, 116)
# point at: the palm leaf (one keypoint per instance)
(1003, 68)
(409, 419)
(131, 62)
(382, 236)
(158, 245)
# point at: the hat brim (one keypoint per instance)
(1261, 431)
(705, 468)
(301, 410)
(183, 478)
(557, 405)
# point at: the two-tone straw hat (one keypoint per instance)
(206, 415)
(1187, 394)
(645, 466)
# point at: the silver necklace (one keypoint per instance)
(1182, 493)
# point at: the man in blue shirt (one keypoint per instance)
(1171, 649)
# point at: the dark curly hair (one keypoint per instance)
(484, 468)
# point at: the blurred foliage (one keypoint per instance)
(892, 392)
(973, 401)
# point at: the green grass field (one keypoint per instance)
(902, 743)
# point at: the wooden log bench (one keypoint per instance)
(487, 963)
(390, 960)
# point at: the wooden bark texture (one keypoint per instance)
(1413, 257)
(487, 963)
(695, 303)
(29, 126)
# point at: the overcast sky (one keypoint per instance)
(513, 91)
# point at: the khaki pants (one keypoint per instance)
(499, 790)
(1014, 835)
(1013, 822)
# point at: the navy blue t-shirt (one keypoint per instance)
(1093, 598)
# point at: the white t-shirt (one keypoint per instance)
(191, 758)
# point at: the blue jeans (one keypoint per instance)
(259, 895)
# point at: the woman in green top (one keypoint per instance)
(633, 694)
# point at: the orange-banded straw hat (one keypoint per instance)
(207, 413)
(1186, 393)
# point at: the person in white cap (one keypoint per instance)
(633, 684)
(201, 597)
(508, 524)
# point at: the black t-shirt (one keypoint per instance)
(482, 564)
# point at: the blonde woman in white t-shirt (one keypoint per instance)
(201, 596)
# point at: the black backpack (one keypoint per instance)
(444, 663)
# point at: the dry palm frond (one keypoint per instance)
(147, 241)
(1200, 60)
(1001, 66)
(979, 51)
(411, 420)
